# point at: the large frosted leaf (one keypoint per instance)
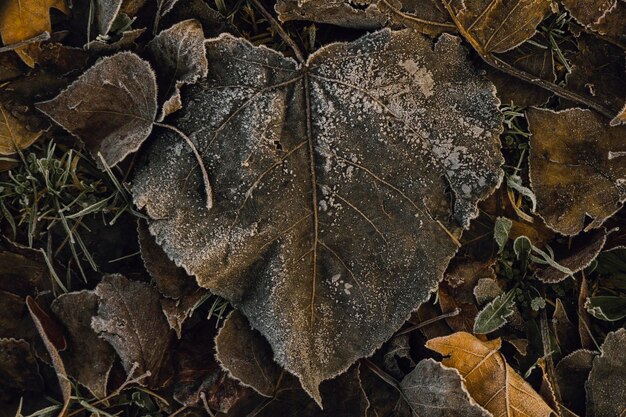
(332, 181)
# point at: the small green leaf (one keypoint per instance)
(607, 308)
(501, 232)
(494, 315)
(537, 303)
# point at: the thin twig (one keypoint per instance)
(205, 175)
(283, 34)
(425, 323)
(39, 38)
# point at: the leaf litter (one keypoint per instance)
(332, 235)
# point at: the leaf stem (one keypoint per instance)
(41, 37)
(425, 323)
(283, 34)
(205, 175)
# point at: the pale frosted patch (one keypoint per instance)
(423, 77)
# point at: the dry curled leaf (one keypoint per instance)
(329, 175)
(606, 387)
(88, 358)
(491, 382)
(25, 19)
(54, 341)
(577, 168)
(181, 57)
(427, 16)
(130, 319)
(110, 108)
(432, 390)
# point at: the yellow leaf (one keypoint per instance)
(13, 134)
(491, 382)
(21, 20)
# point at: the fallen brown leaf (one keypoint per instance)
(491, 382)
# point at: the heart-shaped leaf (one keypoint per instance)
(331, 178)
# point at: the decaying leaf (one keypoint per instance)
(14, 135)
(110, 108)
(497, 26)
(88, 358)
(456, 292)
(23, 272)
(486, 290)
(105, 12)
(427, 16)
(198, 378)
(606, 307)
(246, 355)
(599, 72)
(433, 390)
(170, 280)
(396, 350)
(533, 59)
(564, 330)
(342, 396)
(54, 341)
(126, 41)
(25, 19)
(130, 319)
(606, 387)
(177, 311)
(181, 56)
(491, 382)
(606, 17)
(581, 251)
(329, 174)
(181, 294)
(577, 168)
(571, 374)
(213, 22)
(18, 367)
(163, 8)
(337, 12)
